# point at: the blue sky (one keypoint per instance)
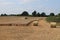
(18, 6)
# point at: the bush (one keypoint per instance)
(53, 19)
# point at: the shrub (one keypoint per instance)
(50, 19)
(53, 19)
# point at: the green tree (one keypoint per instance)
(34, 13)
(3, 14)
(25, 13)
(43, 14)
(52, 14)
(38, 14)
(58, 14)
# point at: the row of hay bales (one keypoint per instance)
(35, 23)
(52, 24)
(13, 24)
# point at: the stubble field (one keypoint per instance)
(41, 32)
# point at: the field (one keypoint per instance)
(41, 32)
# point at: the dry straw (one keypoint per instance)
(53, 24)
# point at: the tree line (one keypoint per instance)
(34, 14)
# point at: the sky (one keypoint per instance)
(18, 6)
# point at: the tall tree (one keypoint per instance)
(52, 14)
(4, 14)
(43, 14)
(34, 13)
(25, 13)
(38, 14)
(58, 14)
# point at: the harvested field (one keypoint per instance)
(16, 20)
(41, 32)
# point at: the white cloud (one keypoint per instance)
(25, 1)
(6, 3)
